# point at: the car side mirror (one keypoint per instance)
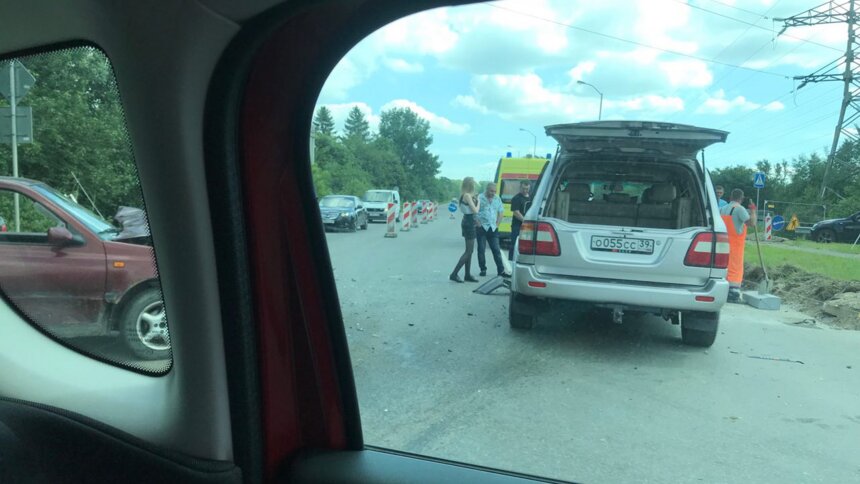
(60, 237)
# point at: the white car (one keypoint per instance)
(376, 203)
(625, 218)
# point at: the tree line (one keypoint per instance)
(398, 155)
(798, 181)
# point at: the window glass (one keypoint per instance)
(76, 256)
(631, 340)
(510, 187)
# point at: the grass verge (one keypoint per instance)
(831, 266)
(808, 244)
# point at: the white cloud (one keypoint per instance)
(718, 104)
(426, 33)
(401, 65)
(471, 103)
(774, 106)
(581, 70)
(525, 97)
(652, 103)
(687, 73)
(437, 123)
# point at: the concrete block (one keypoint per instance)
(762, 301)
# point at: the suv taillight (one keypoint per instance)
(703, 252)
(538, 238)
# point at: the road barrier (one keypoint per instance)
(405, 217)
(435, 210)
(768, 227)
(424, 209)
(415, 214)
(430, 212)
(392, 226)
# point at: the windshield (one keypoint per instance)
(83, 215)
(337, 202)
(377, 196)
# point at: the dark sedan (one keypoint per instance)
(343, 212)
(837, 230)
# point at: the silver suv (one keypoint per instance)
(625, 218)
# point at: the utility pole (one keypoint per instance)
(833, 12)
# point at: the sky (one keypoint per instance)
(488, 77)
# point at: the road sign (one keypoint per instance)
(778, 223)
(24, 127)
(24, 79)
(758, 180)
(452, 207)
(793, 223)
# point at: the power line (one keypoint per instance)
(762, 15)
(758, 109)
(712, 12)
(745, 145)
(640, 44)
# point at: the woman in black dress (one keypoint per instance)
(469, 205)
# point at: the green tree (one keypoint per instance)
(79, 130)
(732, 177)
(324, 122)
(410, 139)
(356, 127)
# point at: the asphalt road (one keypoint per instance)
(439, 373)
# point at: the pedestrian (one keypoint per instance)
(469, 205)
(720, 191)
(737, 218)
(489, 218)
(518, 207)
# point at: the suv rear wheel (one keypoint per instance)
(520, 314)
(699, 329)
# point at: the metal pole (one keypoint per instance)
(757, 207)
(846, 97)
(600, 111)
(13, 103)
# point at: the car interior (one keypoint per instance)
(656, 195)
(218, 98)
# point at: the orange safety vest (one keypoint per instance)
(736, 250)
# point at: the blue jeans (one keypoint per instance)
(515, 232)
(491, 236)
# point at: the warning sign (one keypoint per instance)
(793, 223)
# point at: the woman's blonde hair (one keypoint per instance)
(468, 186)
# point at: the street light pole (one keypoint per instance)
(600, 111)
(534, 148)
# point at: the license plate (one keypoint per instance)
(624, 245)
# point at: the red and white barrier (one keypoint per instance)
(415, 215)
(435, 210)
(424, 209)
(392, 226)
(431, 215)
(768, 227)
(405, 217)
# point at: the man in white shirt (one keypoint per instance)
(489, 217)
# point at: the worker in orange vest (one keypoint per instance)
(737, 218)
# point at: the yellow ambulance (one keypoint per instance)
(509, 174)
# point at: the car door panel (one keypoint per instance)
(52, 446)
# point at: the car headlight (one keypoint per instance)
(345, 214)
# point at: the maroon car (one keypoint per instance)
(71, 273)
